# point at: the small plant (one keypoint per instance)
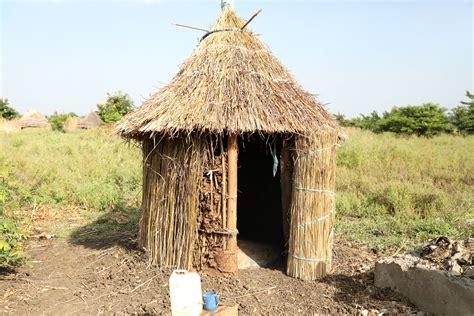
(11, 243)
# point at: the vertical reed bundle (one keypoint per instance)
(172, 177)
(313, 205)
(286, 172)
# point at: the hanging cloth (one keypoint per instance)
(273, 152)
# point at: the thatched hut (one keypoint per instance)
(91, 120)
(71, 123)
(34, 119)
(234, 147)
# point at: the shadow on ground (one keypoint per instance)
(359, 290)
(117, 227)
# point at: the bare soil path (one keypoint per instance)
(113, 277)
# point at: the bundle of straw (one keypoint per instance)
(313, 206)
(172, 177)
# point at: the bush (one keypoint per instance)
(11, 243)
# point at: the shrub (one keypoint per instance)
(57, 122)
(11, 243)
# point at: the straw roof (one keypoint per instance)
(231, 83)
(91, 120)
(34, 119)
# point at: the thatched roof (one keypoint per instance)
(34, 119)
(232, 83)
(91, 120)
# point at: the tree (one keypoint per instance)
(462, 116)
(58, 121)
(370, 122)
(423, 120)
(6, 111)
(341, 119)
(115, 107)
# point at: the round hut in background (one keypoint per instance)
(234, 148)
(71, 123)
(91, 120)
(34, 119)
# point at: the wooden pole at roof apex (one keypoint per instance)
(225, 3)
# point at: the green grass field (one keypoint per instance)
(392, 191)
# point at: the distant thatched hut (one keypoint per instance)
(92, 120)
(71, 123)
(33, 119)
(233, 112)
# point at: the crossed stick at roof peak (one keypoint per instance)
(207, 31)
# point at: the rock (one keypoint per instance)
(469, 272)
(432, 290)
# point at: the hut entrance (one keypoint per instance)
(259, 209)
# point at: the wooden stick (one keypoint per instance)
(285, 181)
(223, 185)
(253, 293)
(191, 27)
(232, 156)
(250, 20)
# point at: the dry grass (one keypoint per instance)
(231, 83)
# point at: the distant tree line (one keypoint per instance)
(427, 119)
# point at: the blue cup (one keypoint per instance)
(211, 301)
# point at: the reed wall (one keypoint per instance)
(312, 207)
(172, 171)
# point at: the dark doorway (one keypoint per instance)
(259, 211)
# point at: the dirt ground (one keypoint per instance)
(113, 276)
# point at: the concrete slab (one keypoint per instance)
(427, 287)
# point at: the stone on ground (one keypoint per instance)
(422, 283)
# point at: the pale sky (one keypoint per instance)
(358, 56)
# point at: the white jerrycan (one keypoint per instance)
(185, 293)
